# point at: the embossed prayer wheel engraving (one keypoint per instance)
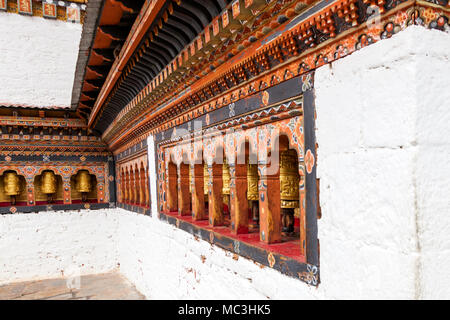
(48, 185)
(12, 186)
(83, 183)
(289, 188)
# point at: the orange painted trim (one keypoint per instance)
(141, 25)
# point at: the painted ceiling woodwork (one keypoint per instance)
(202, 58)
(175, 25)
(107, 26)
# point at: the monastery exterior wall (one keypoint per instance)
(432, 164)
(382, 117)
(54, 244)
(38, 62)
(383, 150)
(377, 230)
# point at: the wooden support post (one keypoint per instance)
(132, 187)
(147, 191)
(172, 194)
(198, 196)
(269, 207)
(184, 201)
(67, 197)
(238, 199)
(215, 206)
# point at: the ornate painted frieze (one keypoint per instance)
(70, 11)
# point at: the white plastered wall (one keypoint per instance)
(57, 244)
(38, 59)
(383, 161)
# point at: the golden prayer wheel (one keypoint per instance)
(205, 180)
(48, 184)
(252, 190)
(12, 185)
(226, 183)
(289, 188)
(83, 183)
(226, 178)
(252, 182)
(190, 180)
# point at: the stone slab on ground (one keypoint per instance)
(108, 286)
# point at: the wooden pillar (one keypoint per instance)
(147, 191)
(67, 196)
(215, 203)
(131, 188)
(269, 207)
(141, 186)
(184, 201)
(198, 193)
(238, 199)
(137, 187)
(128, 187)
(123, 195)
(124, 187)
(30, 192)
(172, 194)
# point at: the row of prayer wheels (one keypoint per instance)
(289, 187)
(48, 184)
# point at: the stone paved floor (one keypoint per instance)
(109, 286)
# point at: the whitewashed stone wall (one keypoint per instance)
(57, 244)
(383, 161)
(38, 59)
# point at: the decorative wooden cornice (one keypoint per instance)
(211, 47)
(308, 41)
(161, 34)
(107, 24)
(140, 26)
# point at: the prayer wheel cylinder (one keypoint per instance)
(48, 183)
(12, 186)
(226, 183)
(206, 181)
(190, 180)
(289, 188)
(83, 183)
(252, 190)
